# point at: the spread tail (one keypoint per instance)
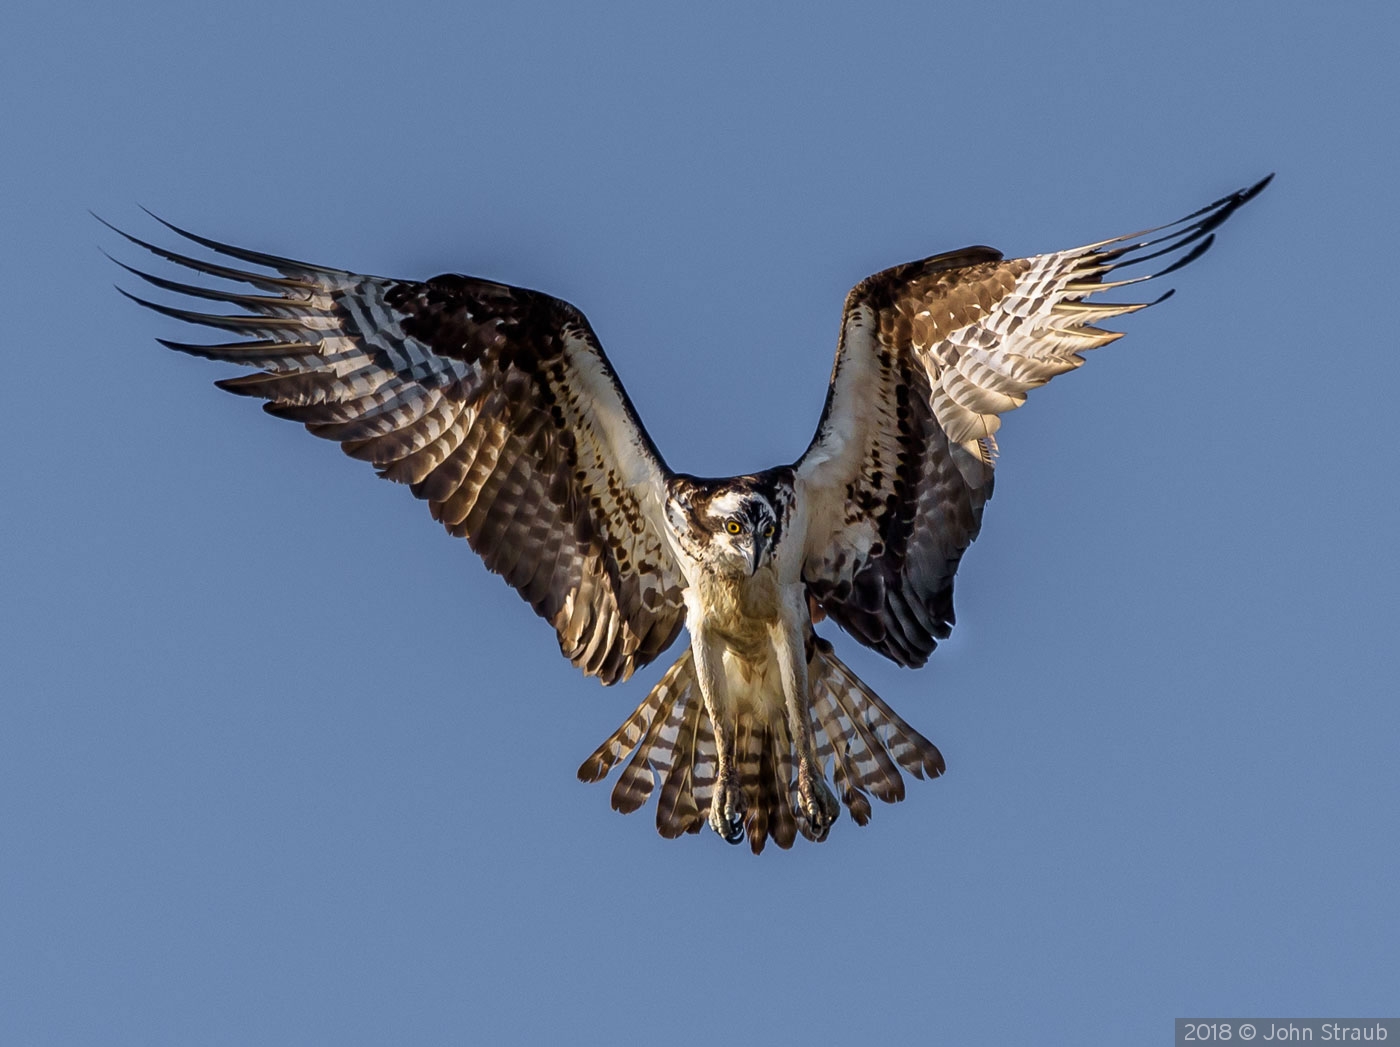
(861, 742)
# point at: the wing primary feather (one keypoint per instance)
(1096, 286)
(1091, 312)
(224, 323)
(314, 385)
(211, 268)
(1218, 212)
(249, 354)
(1215, 215)
(1176, 245)
(272, 261)
(256, 302)
(1186, 259)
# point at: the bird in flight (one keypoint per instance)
(497, 406)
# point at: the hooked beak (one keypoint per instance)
(760, 544)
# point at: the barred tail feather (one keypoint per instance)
(676, 809)
(787, 816)
(770, 785)
(860, 738)
(832, 747)
(750, 745)
(915, 753)
(626, 737)
(857, 734)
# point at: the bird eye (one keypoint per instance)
(768, 531)
(733, 527)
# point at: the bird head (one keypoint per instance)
(732, 527)
(745, 525)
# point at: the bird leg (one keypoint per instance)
(819, 805)
(728, 805)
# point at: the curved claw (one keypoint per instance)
(727, 811)
(819, 805)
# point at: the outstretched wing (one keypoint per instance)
(494, 404)
(932, 353)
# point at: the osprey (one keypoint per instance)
(498, 407)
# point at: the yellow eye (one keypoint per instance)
(733, 527)
(768, 531)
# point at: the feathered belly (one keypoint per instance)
(742, 614)
(755, 683)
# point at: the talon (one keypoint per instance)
(818, 805)
(727, 811)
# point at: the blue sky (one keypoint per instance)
(281, 763)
